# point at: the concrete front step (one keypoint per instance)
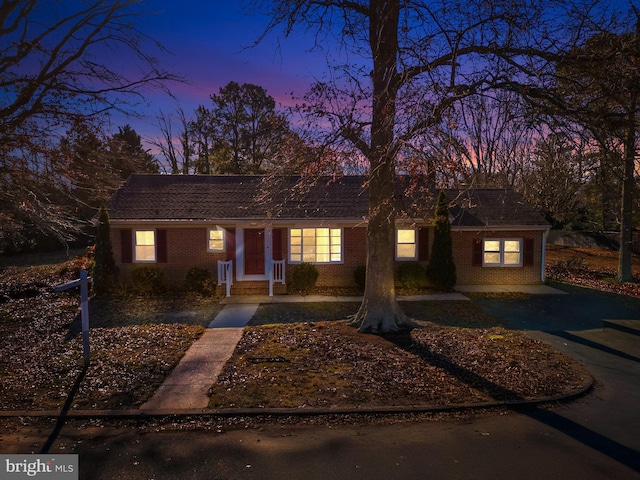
(256, 288)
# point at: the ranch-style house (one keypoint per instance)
(249, 236)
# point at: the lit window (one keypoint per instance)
(145, 248)
(315, 245)
(502, 253)
(215, 240)
(406, 248)
(512, 252)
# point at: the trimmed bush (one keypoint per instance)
(147, 280)
(304, 277)
(411, 274)
(104, 272)
(200, 280)
(360, 276)
(442, 269)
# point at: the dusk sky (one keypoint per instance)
(209, 45)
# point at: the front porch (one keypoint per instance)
(272, 284)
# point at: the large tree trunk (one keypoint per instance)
(380, 312)
(625, 270)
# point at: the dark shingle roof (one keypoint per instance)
(235, 197)
(491, 207)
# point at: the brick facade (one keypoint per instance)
(355, 254)
(187, 248)
(468, 274)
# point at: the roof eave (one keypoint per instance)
(499, 228)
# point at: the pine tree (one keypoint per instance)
(105, 271)
(441, 269)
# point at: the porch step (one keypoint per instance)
(255, 288)
(242, 290)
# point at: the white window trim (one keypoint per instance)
(502, 241)
(155, 245)
(224, 240)
(335, 262)
(415, 244)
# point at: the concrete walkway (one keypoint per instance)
(457, 295)
(187, 386)
(530, 289)
(260, 299)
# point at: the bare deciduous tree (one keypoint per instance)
(597, 87)
(60, 63)
(175, 147)
(407, 63)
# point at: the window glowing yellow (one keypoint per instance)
(406, 244)
(145, 248)
(315, 245)
(216, 240)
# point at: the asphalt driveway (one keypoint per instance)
(582, 309)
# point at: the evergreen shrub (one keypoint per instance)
(411, 274)
(303, 278)
(147, 280)
(104, 273)
(200, 280)
(441, 270)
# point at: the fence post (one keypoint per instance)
(83, 283)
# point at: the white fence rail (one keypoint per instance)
(276, 274)
(225, 275)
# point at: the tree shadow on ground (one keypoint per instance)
(61, 420)
(404, 341)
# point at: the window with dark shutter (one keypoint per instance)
(126, 245)
(423, 244)
(476, 259)
(161, 247)
(528, 252)
(277, 243)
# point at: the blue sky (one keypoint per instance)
(210, 45)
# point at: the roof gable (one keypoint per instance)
(491, 207)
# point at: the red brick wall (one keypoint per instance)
(468, 274)
(187, 247)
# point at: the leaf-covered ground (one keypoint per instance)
(41, 357)
(293, 355)
(592, 268)
(330, 365)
